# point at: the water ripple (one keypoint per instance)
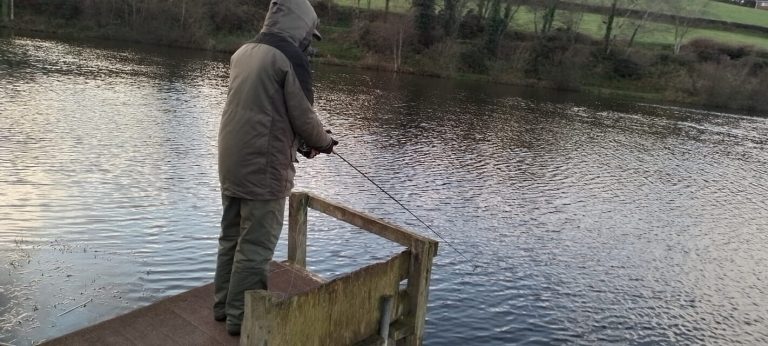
(591, 222)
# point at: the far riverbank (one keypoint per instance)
(705, 74)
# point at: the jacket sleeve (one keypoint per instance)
(304, 120)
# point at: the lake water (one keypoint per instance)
(592, 222)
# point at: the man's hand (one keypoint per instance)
(329, 149)
(310, 153)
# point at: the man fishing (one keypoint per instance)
(267, 114)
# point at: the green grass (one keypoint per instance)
(333, 45)
(653, 33)
(717, 10)
(394, 5)
(736, 14)
(663, 34)
(712, 9)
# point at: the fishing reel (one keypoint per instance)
(305, 150)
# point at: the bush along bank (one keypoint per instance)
(703, 72)
(474, 43)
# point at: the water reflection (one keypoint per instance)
(593, 221)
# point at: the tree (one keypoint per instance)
(400, 31)
(684, 11)
(615, 20)
(548, 19)
(425, 20)
(482, 8)
(608, 38)
(498, 23)
(451, 16)
(3, 10)
(183, 13)
(571, 21)
(648, 8)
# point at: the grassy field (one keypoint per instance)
(719, 11)
(394, 5)
(653, 33)
(711, 9)
(737, 14)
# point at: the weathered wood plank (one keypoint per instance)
(341, 312)
(397, 330)
(297, 229)
(400, 329)
(368, 222)
(163, 323)
(374, 340)
(401, 304)
(259, 323)
(185, 319)
(418, 289)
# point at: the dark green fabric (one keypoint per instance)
(249, 233)
(298, 60)
(268, 111)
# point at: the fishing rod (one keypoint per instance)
(474, 266)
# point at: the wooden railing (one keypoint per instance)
(347, 310)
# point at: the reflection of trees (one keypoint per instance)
(15, 59)
(453, 115)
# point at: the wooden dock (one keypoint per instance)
(184, 319)
(368, 306)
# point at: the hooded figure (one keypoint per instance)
(268, 112)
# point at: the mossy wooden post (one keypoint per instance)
(297, 229)
(258, 312)
(423, 250)
(422, 254)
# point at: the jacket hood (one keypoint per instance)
(295, 20)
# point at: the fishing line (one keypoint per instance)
(474, 266)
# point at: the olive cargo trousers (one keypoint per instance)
(249, 233)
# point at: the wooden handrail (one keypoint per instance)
(422, 250)
(367, 222)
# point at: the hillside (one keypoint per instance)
(655, 32)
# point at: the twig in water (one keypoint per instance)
(73, 309)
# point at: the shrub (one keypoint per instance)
(471, 26)
(708, 50)
(231, 16)
(474, 60)
(627, 68)
(756, 65)
(516, 56)
(59, 9)
(381, 36)
(756, 98)
(725, 85)
(560, 62)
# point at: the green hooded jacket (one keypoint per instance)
(267, 111)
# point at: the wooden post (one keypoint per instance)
(422, 253)
(297, 229)
(387, 303)
(258, 322)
